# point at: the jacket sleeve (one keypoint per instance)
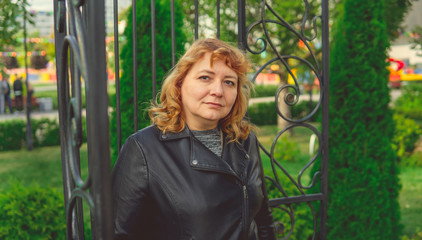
(130, 192)
(264, 218)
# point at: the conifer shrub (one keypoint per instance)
(144, 63)
(362, 171)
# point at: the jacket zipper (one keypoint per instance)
(245, 211)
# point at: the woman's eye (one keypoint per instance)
(204, 77)
(231, 83)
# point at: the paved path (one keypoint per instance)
(34, 114)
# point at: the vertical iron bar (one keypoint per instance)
(154, 85)
(76, 92)
(28, 95)
(173, 36)
(241, 23)
(135, 70)
(325, 116)
(117, 75)
(196, 19)
(218, 19)
(97, 121)
(62, 98)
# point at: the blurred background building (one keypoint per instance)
(401, 49)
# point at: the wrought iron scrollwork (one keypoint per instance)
(290, 95)
(74, 69)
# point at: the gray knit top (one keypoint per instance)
(211, 139)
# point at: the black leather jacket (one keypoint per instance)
(170, 186)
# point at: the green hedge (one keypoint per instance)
(32, 213)
(264, 91)
(45, 132)
(262, 114)
(265, 113)
(12, 134)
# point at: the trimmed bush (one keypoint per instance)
(410, 101)
(303, 109)
(261, 90)
(416, 236)
(262, 113)
(32, 213)
(12, 134)
(265, 113)
(406, 134)
(286, 150)
(45, 132)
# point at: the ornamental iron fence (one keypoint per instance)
(295, 53)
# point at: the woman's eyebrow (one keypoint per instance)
(231, 76)
(206, 71)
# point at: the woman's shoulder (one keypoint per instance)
(145, 133)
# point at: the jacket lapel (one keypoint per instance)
(233, 159)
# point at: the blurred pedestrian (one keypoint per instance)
(7, 99)
(3, 89)
(18, 92)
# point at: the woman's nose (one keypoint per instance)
(217, 89)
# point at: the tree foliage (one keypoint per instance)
(363, 173)
(394, 13)
(10, 24)
(285, 42)
(416, 39)
(11, 13)
(144, 62)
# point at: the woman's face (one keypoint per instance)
(208, 93)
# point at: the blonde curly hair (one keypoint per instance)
(167, 115)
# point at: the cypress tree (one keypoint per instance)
(144, 62)
(363, 174)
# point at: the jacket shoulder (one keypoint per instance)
(145, 134)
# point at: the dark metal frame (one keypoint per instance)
(80, 53)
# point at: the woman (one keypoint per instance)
(196, 172)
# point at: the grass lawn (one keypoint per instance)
(411, 199)
(42, 166)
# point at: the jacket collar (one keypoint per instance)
(168, 136)
(233, 161)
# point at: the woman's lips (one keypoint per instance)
(213, 104)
